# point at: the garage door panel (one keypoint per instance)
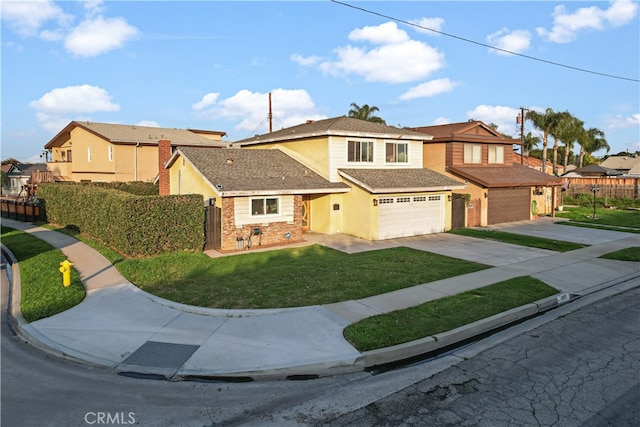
(508, 205)
(410, 216)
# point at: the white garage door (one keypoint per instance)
(410, 216)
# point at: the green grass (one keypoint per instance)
(614, 217)
(41, 283)
(627, 254)
(445, 314)
(113, 256)
(288, 277)
(519, 239)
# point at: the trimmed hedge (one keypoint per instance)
(133, 225)
(139, 188)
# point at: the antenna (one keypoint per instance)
(270, 116)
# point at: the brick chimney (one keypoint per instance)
(164, 177)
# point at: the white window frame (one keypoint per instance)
(496, 154)
(89, 157)
(264, 206)
(358, 155)
(110, 153)
(395, 155)
(472, 154)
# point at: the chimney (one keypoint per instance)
(164, 177)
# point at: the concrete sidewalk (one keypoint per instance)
(123, 327)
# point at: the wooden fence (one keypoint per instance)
(614, 188)
(18, 209)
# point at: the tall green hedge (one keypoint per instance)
(133, 225)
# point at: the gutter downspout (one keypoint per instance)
(135, 161)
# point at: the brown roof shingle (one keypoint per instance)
(339, 126)
(400, 180)
(505, 176)
(233, 170)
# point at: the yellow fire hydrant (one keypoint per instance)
(65, 269)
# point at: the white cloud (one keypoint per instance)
(621, 122)
(566, 25)
(516, 41)
(54, 106)
(424, 24)
(441, 121)
(429, 89)
(206, 101)
(148, 123)
(387, 33)
(395, 58)
(99, 35)
(27, 17)
(504, 117)
(306, 61)
(289, 107)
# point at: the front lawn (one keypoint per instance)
(287, 277)
(627, 254)
(445, 314)
(41, 283)
(616, 217)
(519, 239)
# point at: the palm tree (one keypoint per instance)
(568, 130)
(590, 141)
(530, 142)
(563, 123)
(365, 113)
(546, 122)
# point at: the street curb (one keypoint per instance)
(423, 346)
(30, 335)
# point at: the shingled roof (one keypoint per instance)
(336, 126)
(464, 131)
(235, 172)
(505, 176)
(134, 134)
(400, 180)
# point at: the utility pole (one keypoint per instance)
(520, 121)
(270, 115)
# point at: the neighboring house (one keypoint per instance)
(339, 175)
(89, 151)
(628, 165)
(593, 171)
(21, 179)
(500, 190)
(536, 164)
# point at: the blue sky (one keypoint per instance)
(211, 65)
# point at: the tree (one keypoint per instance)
(530, 142)
(365, 113)
(546, 123)
(11, 161)
(568, 129)
(590, 141)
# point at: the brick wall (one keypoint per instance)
(272, 234)
(164, 153)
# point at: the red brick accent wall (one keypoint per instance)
(164, 177)
(272, 234)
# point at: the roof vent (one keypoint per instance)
(229, 161)
(310, 121)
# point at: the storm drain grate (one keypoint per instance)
(161, 354)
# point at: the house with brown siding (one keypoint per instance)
(500, 190)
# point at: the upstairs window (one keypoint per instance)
(473, 153)
(396, 152)
(89, 158)
(496, 154)
(360, 151)
(111, 153)
(265, 206)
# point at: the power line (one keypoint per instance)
(557, 64)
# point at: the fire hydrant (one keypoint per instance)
(65, 269)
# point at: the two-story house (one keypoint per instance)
(22, 178)
(500, 189)
(89, 151)
(338, 175)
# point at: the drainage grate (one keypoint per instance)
(161, 355)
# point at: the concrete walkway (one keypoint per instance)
(123, 327)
